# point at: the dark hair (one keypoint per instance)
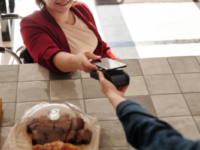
(41, 4)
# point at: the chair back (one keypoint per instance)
(26, 56)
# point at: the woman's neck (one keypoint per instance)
(66, 17)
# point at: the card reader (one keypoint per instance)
(117, 76)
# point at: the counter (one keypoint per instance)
(168, 88)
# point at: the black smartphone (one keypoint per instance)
(108, 64)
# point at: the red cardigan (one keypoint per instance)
(43, 37)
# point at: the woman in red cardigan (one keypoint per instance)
(63, 36)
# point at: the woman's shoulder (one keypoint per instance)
(38, 18)
(35, 16)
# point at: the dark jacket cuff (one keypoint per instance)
(130, 106)
(123, 105)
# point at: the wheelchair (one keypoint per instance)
(24, 56)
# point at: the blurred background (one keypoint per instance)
(132, 28)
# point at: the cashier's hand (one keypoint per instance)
(82, 61)
(115, 95)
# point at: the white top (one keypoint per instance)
(79, 36)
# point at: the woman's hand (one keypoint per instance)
(67, 62)
(115, 95)
(82, 62)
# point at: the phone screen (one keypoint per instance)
(108, 64)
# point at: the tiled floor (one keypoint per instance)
(151, 29)
(170, 92)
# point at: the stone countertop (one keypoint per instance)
(168, 88)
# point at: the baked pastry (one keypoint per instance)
(38, 147)
(51, 137)
(72, 131)
(64, 136)
(63, 127)
(32, 125)
(58, 145)
(45, 127)
(83, 136)
(77, 124)
(45, 119)
(38, 138)
(63, 119)
(71, 137)
(69, 146)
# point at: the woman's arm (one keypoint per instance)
(40, 45)
(61, 59)
(66, 62)
(46, 52)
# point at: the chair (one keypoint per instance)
(24, 53)
(5, 50)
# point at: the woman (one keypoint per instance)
(143, 131)
(63, 36)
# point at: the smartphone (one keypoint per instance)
(108, 64)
